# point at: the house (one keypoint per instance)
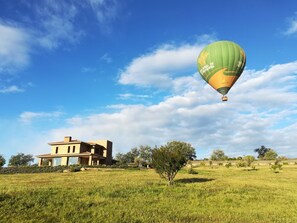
(72, 152)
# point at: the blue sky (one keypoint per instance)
(126, 71)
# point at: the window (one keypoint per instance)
(68, 149)
(57, 161)
(57, 149)
(72, 160)
(73, 149)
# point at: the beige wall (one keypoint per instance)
(108, 152)
(63, 149)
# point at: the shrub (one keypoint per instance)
(228, 165)
(74, 168)
(274, 167)
(202, 163)
(241, 164)
(192, 171)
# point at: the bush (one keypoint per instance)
(220, 164)
(74, 168)
(192, 171)
(274, 167)
(241, 164)
(228, 165)
(202, 163)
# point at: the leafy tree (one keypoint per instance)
(261, 151)
(270, 155)
(2, 161)
(21, 160)
(133, 154)
(249, 160)
(145, 154)
(122, 158)
(169, 159)
(218, 155)
(139, 156)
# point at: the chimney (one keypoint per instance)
(67, 139)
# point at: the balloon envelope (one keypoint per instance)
(220, 64)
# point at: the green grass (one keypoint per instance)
(217, 194)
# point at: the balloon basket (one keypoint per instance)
(224, 98)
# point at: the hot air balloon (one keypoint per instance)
(220, 64)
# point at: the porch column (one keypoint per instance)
(40, 162)
(90, 160)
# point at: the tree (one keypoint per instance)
(249, 160)
(139, 156)
(270, 155)
(122, 158)
(261, 151)
(21, 160)
(218, 155)
(145, 154)
(2, 161)
(169, 159)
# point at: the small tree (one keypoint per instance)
(21, 160)
(218, 155)
(261, 151)
(2, 161)
(249, 160)
(169, 159)
(270, 155)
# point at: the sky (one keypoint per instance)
(126, 71)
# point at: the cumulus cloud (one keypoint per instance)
(158, 68)
(51, 25)
(261, 111)
(14, 48)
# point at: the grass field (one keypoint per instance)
(217, 194)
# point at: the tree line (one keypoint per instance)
(167, 160)
(20, 159)
(264, 153)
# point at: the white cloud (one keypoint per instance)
(292, 29)
(11, 89)
(261, 111)
(129, 96)
(88, 69)
(14, 48)
(106, 11)
(158, 68)
(57, 24)
(28, 117)
(106, 58)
